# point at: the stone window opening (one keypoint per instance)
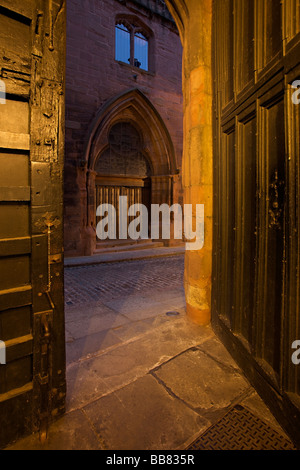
(132, 45)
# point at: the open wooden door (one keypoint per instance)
(32, 58)
(257, 195)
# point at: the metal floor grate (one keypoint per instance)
(241, 430)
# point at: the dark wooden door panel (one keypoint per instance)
(228, 223)
(273, 232)
(32, 69)
(244, 44)
(245, 266)
(16, 377)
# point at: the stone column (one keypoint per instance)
(198, 152)
(197, 167)
(161, 189)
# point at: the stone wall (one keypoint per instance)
(94, 77)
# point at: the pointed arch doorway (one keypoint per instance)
(129, 153)
(122, 170)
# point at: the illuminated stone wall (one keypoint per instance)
(95, 78)
(194, 20)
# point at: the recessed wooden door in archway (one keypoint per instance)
(123, 171)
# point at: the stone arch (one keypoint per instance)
(194, 21)
(129, 20)
(180, 13)
(133, 106)
(124, 154)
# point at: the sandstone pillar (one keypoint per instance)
(196, 32)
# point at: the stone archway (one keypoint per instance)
(122, 170)
(194, 21)
(134, 108)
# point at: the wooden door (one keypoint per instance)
(111, 194)
(32, 382)
(256, 238)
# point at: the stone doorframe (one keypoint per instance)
(194, 21)
(134, 107)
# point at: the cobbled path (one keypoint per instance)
(111, 281)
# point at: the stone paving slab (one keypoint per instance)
(143, 416)
(84, 385)
(141, 307)
(91, 345)
(159, 320)
(136, 329)
(96, 323)
(126, 363)
(136, 308)
(192, 378)
(217, 351)
(91, 309)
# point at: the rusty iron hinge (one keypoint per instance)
(49, 222)
(43, 369)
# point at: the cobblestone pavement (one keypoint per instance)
(112, 281)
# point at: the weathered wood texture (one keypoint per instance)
(32, 58)
(256, 205)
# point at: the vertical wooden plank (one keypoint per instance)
(244, 44)
(47, 160)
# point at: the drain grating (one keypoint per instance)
(241, 430)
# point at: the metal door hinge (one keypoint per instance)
(43, 369)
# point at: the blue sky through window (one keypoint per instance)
(141, 50)
(122, 43)
(123, 47)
